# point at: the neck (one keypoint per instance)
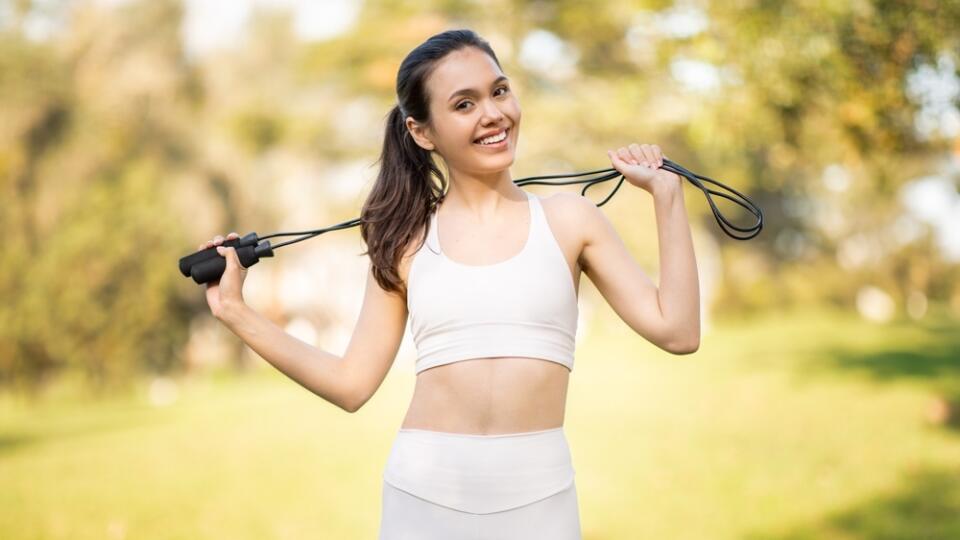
(482, 197)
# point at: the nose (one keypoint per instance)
(492, 113)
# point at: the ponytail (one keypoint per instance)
(405, 194)
(401, 202)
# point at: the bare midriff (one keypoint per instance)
(490, 396)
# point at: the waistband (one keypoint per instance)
(480, 474)
(427, 432)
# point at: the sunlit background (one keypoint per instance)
(824, 401)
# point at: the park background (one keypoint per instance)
(822, 403)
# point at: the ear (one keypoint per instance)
(420, 134)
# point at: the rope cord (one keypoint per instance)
(603, 175)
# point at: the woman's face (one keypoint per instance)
(470, 99)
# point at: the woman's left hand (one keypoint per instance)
(640, 165)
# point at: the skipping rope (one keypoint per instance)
(207, 265)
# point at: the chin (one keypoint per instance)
(490, 166)
(498, 163)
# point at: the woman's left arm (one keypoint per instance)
(668, 315)
(679, 291)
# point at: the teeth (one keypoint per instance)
(495, 138)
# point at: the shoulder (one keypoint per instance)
(576, 221)
(572, 208)
(587, 223)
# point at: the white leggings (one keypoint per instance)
(407, 517)
(455, 486)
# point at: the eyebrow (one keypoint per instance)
(470, 91)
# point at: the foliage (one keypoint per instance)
(119, 151)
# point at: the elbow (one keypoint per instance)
(687, 345)
(350, 400)
(352, 403)
(351, 406)
(683, 338)
(688, 348)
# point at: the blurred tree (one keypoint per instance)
(95, 122)
(118, 149)
(820, 88)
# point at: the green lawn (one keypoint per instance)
(808, 425)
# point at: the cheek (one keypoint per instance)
(515, 112)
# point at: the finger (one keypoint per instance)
(638, 155)
(229, 254)
(232, 236)
(626, 156)
(658, 154)
(652, 152)
(647, 150)
(217, 240)
(648, 156)
(615, 159)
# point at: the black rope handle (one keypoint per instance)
(207, 265)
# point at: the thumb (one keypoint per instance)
(230, 254)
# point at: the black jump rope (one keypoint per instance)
(207, 265)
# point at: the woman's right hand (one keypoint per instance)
(217, 295)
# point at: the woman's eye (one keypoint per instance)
(504, 88)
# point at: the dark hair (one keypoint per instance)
(404, 195)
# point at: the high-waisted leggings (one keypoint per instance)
(458, 486)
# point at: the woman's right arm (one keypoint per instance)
(314, 369)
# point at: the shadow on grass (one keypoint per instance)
(18, 439)
(927, 506)
(928, 354)
(934, 362)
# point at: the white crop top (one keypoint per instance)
(524, 306)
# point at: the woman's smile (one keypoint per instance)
(496, 146)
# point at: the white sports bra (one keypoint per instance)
(524, 306)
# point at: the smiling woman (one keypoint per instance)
(487, 275)
(492, 304)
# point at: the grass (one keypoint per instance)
(787, 427)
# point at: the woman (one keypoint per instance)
(488, 275)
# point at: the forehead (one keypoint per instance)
(466, 68)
